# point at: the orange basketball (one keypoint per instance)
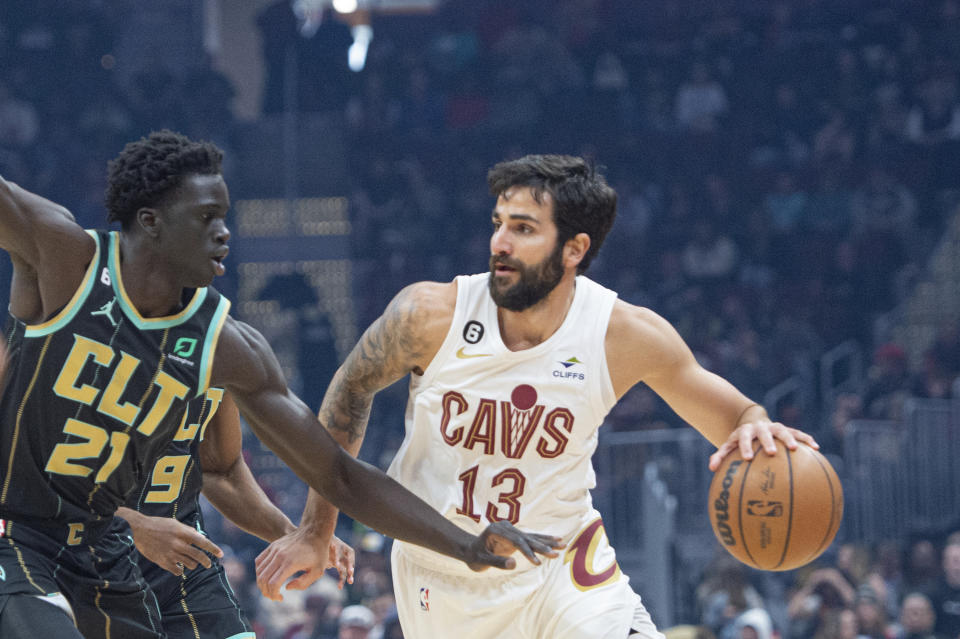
(776, 512)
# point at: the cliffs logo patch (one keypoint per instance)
(425, 599)
(571, 369)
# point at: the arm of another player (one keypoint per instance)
(642, 346)
(402, 340)
(228, 482)
(43, 237)
(246, 366)
(169, 543)
(232, 489)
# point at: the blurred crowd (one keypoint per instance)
(784, 170)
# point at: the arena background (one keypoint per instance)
(787, 173)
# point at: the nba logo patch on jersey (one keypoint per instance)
(425, 599)
(3, 527)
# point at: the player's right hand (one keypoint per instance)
(172, 545)
(495, 545)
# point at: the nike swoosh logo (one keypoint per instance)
(463, 355)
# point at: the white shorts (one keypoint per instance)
(582, 594)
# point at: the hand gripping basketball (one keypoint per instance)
(495, 545)
(776, 512)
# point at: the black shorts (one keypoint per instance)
(199, 604)
(102, 582)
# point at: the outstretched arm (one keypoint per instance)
(246, 367)
(642, 346)
(403, 340)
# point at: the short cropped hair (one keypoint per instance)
(148, 169)
(583, 202)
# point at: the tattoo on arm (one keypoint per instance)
(387, 351)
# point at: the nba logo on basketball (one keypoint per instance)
(425, 599)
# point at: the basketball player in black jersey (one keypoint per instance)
(110, 336)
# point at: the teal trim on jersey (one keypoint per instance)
(210, 344)
(243, 635)
(146, 323)
(68, 312)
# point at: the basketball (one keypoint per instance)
(776, 512)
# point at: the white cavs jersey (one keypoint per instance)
(494, 434)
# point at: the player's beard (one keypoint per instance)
(535, 281)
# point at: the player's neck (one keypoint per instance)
(525, 329)
(148, 283)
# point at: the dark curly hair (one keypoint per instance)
(582, 200)
(147, 170)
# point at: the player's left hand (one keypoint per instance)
(172, 545)
(301, 552)
(766, 432)
(501, 539)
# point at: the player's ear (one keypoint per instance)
(148, 221)
(575, 249)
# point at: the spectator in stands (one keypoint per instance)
(700, 101)
(845, 626)
(19, 122)
(391, 627)
(752, 624)
(888, 567)
(323, 610)
(946, 597)
(870, 613)
(917, 619)
(711, 255)
(883, 205)
(356, 622)
(935, 118)
(816, 605)
(889, 382)
(724, 595)
(922, 571)
(786, 203)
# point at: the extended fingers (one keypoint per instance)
(271, 577)
(345, 565)
(504, 539)
(806, 438)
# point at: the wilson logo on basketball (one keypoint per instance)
(507, 426)
(722, 505)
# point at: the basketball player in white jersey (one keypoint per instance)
(512, 373)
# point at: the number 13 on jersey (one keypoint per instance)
(508, 502)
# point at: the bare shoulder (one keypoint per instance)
(640, 344)
(243, 358)
(430, 302)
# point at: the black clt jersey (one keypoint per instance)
(172, 487)
(95, 394)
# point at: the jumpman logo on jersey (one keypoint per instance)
(107, 310)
